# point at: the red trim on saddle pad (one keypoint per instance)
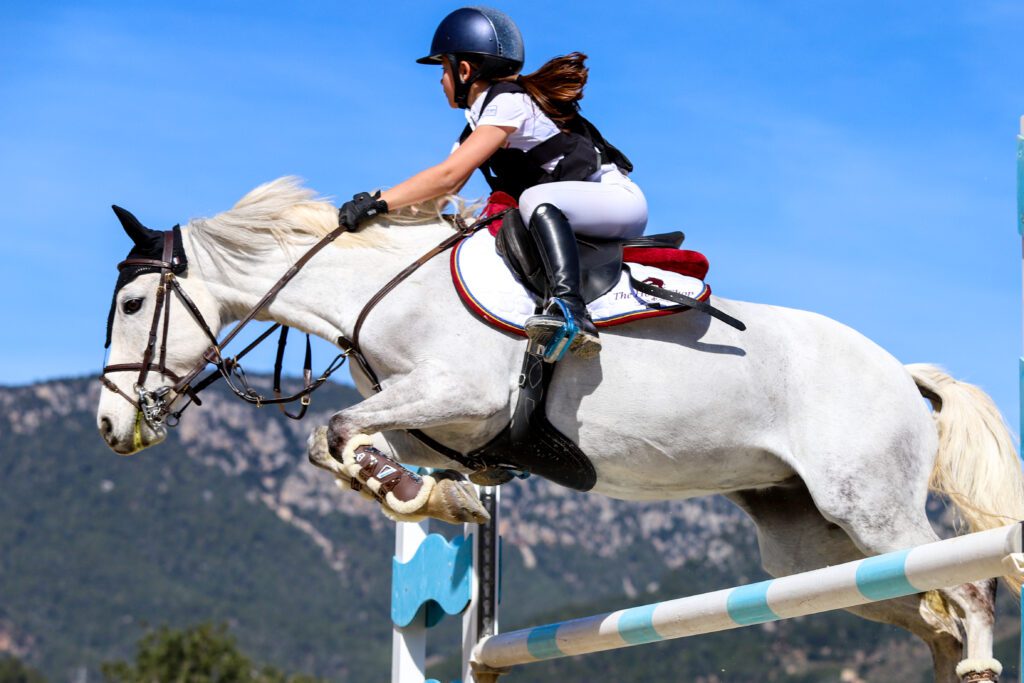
(467, 297)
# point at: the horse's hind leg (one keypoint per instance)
(879, 501)
(794, 537)
(897, 523)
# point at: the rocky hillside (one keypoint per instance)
(227, 522)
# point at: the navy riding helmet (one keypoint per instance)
(485, 37)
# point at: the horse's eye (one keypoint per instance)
(131, 306)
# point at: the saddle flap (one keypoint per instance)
(600, 267)
(600, 261)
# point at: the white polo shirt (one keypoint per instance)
(515, 110)
(532, 126)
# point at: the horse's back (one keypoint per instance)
(686, 405)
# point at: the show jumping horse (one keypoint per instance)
(817, 433)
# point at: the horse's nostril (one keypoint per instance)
(105, 426)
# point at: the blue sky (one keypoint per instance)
(855, 159)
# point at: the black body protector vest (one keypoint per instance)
(582, 147)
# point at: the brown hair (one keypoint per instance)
(557, 87)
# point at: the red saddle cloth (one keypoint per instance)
(682, 261)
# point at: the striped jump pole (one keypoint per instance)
(973, 557)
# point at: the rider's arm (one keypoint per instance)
(452, 173)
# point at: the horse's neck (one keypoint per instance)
(325, 297)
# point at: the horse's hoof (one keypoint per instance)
(320, 455)
(979, 670)
(454, 500)
(492, 476)
(986, 676)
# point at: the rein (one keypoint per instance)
(156, 406)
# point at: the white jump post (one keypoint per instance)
(409, 643)
(433, 577)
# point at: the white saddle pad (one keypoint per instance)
(488, 287)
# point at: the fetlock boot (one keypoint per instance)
(560, 255)
(404, 496)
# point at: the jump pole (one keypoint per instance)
(973, 557)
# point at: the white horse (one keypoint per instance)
(821, 436)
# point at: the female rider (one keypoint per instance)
(526, 135)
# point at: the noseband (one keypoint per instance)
(156, 406)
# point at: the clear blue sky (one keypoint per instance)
(855, 159)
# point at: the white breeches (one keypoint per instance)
(610, 206)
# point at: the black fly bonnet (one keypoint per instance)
(147, 244)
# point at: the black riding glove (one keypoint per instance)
(362, 207)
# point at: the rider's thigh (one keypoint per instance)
(612, 207)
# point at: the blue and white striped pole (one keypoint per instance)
(972, 557)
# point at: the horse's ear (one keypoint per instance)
(140, 234)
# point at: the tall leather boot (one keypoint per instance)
(560, 255)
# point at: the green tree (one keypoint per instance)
(205, 653)
(12, 670)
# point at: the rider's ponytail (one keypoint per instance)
(557, 87)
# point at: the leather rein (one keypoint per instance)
(156, 406)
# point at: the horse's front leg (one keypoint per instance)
(418, 401)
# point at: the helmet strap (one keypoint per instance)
(461, 87)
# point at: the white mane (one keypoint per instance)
(284, 213)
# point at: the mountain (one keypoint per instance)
(227, 521)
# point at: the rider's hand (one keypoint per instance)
(361, 207)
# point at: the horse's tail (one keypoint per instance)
(977, 466)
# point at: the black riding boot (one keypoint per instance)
(560, 255)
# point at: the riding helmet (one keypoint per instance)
(487, 37)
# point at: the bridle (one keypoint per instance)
(156, 406)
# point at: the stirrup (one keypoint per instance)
(555, 346)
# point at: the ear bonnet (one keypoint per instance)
(147, 244)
